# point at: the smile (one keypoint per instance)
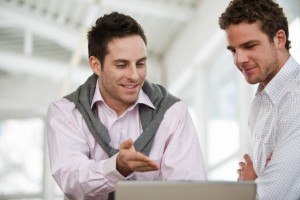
(129, 86)
(248, 69)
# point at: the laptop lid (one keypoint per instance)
(185, 190)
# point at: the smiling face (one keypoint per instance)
(123, 72)
(254, 54)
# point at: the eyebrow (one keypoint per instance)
(124, 60)
(250, 42)
(142, 59)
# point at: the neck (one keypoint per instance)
(119, 109)
(283, 58)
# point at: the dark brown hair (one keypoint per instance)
(108, 27)
(267, 12)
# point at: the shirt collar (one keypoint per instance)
(97, 95)
(278, 85)
(142, 99)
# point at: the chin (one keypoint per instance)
(130, 100)
(251, 81)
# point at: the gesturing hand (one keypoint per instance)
(129, 160)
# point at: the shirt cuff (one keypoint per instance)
(111, 173)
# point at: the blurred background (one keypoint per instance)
(43, 56)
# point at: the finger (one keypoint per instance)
(146, 169)
(146, 166)
(139, 160)
(138, 156)
(153, 164)
(241, 164)
(240, 173)
(268, 159)
(127, 144)
(270, 156)
(150, 165)
(131, 158)
(241, 178)
(247, 158)
(135, 161)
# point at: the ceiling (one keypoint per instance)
(43, 52)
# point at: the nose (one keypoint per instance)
(132, 73)
(240, 57)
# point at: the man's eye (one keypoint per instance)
(121, 65)
(141, 64)
(250, 46)
(232, 51)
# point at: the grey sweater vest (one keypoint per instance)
(150, 118)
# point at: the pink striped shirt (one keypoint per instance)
(84, 171)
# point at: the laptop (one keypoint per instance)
(185, 190)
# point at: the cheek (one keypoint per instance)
(236, 65)
(142, 73)
(112, 75)
(107, 79)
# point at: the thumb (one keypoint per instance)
(127, 144)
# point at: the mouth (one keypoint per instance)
(247, 70)
(129, 86)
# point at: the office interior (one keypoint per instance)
(43, 56)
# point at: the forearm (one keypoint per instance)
(281, 177)
(88, 178)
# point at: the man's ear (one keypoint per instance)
(95, 65)
(280, 39)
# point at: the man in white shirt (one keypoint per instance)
(257, 33)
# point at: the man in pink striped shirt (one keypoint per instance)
(118, 126)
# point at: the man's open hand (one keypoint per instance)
(129, 160)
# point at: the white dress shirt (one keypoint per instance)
(275, 128)
(83, 170)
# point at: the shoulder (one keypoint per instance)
(62, 107)
(62, 104)
(288, 89)
(64, 114)
(292, 94)
(178, 109)
(178, 105)
(288, 106)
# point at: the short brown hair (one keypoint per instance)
(267, 12)
(108, 27)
